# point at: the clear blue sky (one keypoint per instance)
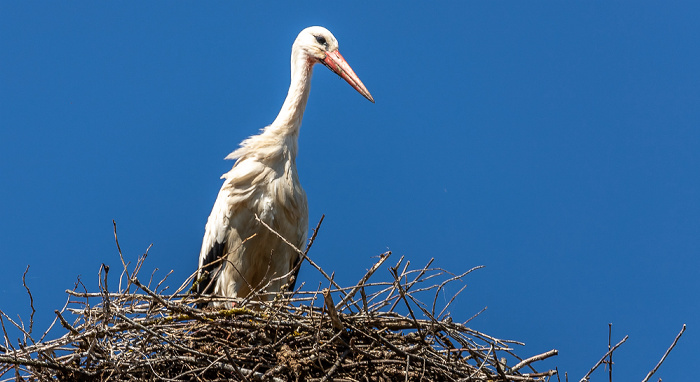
(556, 143)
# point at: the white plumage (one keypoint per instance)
(264, 182)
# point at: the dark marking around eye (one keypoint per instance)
(321, 40)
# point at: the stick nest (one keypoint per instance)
(372, 331)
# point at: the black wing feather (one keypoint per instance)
(210, 270)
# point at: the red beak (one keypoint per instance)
(335, 62)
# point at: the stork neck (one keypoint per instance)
(288, 120)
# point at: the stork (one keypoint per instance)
(239, 254)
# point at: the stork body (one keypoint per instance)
(264, 183)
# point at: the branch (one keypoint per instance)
(538, 357)
(665, 355)
(585, 377)
(364, 279)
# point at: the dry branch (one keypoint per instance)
(665, 355)
(585, 377)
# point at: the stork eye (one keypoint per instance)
(321, 40)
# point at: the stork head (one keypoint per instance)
(320, 46)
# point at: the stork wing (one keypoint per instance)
(250, 189)
(213, 246)
(234, 194)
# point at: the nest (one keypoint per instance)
(371, 331)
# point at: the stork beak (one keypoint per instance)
(335, 62)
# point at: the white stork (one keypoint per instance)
(264, 183)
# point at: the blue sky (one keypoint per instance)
(556, 143)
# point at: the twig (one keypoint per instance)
(31, 304)
(532, 359)
(65, 323)
(335, 366)
(476, 315)
(47, 364)
(304, 256)
(610, 360)
(665, 355)
(332, 312)
(121, 257)
(363, 280)
(585, 377)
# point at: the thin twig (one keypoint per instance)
(31, 305)
(585, 377)
(532, 359)
(665, 355)
(364, 279)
